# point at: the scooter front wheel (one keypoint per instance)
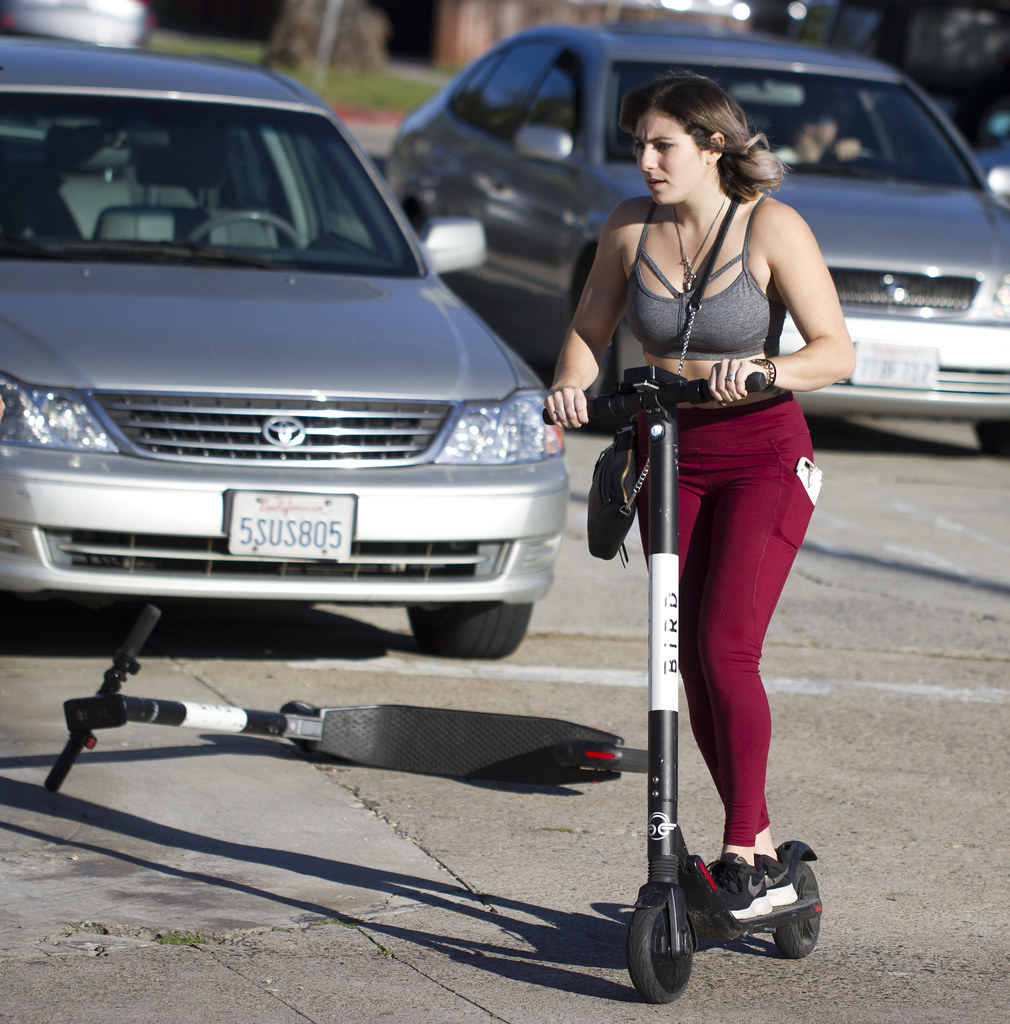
(795, 941)
(658, 975)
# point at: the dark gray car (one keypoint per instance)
(526, 139)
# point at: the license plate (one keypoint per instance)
(903, 366)
(287, 525)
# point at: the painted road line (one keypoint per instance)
(430, 667)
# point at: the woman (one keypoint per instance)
(744, 506)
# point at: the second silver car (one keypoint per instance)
(526, 139)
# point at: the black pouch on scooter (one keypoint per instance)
(612, 495)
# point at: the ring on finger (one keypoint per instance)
(730, 376)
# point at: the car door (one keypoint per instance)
(527, 204)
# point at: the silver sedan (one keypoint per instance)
(106, 22)
(230, 370)
(526, 139)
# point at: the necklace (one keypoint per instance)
(690, 276)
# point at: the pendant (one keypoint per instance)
(689, 275)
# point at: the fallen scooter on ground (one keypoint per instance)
(431, 741)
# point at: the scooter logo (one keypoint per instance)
(660, 825)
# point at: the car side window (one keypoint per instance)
(493, 101)
(556, 102)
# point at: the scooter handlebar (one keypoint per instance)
(125, 661)
(142, 629)
(620, 408)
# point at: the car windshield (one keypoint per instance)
(824, 124)
(99, 177)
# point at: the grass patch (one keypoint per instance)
(378, 91)
(180, 939)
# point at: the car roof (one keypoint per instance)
(30, 64)
(666, 40)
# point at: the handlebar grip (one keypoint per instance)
(755, 381)
(142, 629)
(61, 769)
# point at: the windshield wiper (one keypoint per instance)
(12, 245)
(172, 250)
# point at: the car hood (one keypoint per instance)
(887, 225)
(900, 226)
(114, 326)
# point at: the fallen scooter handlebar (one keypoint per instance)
(651, 388)
(124, 663)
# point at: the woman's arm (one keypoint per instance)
(799, 278)
(596, 317)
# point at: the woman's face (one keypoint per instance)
(669, 160)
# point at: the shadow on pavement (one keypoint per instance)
(887, 438)
(243, 630)
(543, 952)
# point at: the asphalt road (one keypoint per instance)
(286, 890)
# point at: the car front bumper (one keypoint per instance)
(972, 383)
(114, 526)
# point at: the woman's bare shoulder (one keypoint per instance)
(630, 214)
(772, 215)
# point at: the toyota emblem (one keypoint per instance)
(284, 431)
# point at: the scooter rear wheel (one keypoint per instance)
(657, 976)
(300, 707)
(795, 941)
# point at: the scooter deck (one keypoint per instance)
(427, 741)
(465, 744)
(711, 920)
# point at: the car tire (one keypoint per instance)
(994, 437)
(489, 629)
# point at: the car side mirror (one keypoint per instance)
(454, 243)
(999, 180)
(544, 142)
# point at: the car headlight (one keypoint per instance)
(1001, 299)
(494, 434)
(49, 419)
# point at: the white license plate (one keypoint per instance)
(903, 366)
(289, 525)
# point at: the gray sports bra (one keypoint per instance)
(738, 322)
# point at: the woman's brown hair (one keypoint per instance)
(703, 108)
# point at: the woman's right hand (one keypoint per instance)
(566, 406)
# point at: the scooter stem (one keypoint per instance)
(666, 847)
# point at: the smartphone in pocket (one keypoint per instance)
(811, 477)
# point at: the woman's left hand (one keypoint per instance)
(728, 380)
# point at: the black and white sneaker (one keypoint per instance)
(778, 884)
(740, 886)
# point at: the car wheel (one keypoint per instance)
(994, 437)
(490, 629)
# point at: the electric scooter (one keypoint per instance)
(484, 746)
(679, 905)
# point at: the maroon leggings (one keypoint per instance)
(742, 517)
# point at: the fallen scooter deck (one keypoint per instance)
(429, 741)
(432, 741)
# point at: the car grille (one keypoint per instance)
(208, 557)
(275, 430)
(885, 290)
